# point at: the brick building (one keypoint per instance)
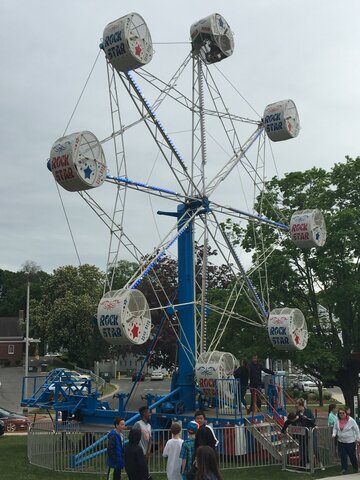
(11, 341)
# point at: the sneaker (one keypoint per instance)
(344, 472)
(322, 466)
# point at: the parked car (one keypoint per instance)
(69, 380)
(306, 384)
(137, 376)
(2, 428)
(80, 376)
(291, 380)
(157, 375)
(13, 421)
(52, 355)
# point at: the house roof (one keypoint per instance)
(10, 328)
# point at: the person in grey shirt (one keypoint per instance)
(144, 425)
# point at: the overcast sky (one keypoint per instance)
(306, 50)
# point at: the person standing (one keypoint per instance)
(144, 425)
(348, 434)
(295, 419)
(309, 421)
(255, 369)
(172, 452)
(332, 417)
(207, 464)
(242, 374)
(205, 434)
(302, 411)
(135, 462)
(115, 451)
(187, 449)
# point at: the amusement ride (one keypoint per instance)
(186, 192)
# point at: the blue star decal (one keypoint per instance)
(317, 236)
(87, 172)
(221, 22)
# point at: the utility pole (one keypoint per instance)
(27, 336)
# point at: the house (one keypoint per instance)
(11, 341)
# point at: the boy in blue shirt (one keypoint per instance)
(115, 450)
(187, 449)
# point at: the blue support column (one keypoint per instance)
(186, 312)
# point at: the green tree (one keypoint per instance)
(64, 317)
(324, 283)
(13, 286)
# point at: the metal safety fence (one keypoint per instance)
(74, 449)
(308, 449)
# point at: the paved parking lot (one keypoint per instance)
(12, 377)
(10, 391)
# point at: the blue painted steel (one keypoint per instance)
(260, 218)
(186, 311)
(127, 181)
(148, 269)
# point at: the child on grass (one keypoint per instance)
(172, 452)
(187, 449)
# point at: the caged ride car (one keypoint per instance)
(13, 422)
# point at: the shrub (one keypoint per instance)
(312, 396)
(326, 395)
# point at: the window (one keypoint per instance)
(11, 350)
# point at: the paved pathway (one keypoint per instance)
(348, 476)
(339, 397)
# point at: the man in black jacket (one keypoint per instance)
(242, 374)
(135, 463)
(205, 434)
(299, 420)
(255, 369)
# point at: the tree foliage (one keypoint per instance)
(63, 317)
(325, 282)
(13, 288)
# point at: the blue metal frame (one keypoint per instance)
(186, 312)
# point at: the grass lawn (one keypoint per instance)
(108, 389)
(14, 465)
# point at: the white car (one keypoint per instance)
(306, 384)
(157, 375)
(79, 376)
(309, 386)
(69, 381)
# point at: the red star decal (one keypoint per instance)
(138, 50)
(297, 339)
(289, 126)
(135, 331)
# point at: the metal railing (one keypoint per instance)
(311, 449)
(74, 449)
(98, 382)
